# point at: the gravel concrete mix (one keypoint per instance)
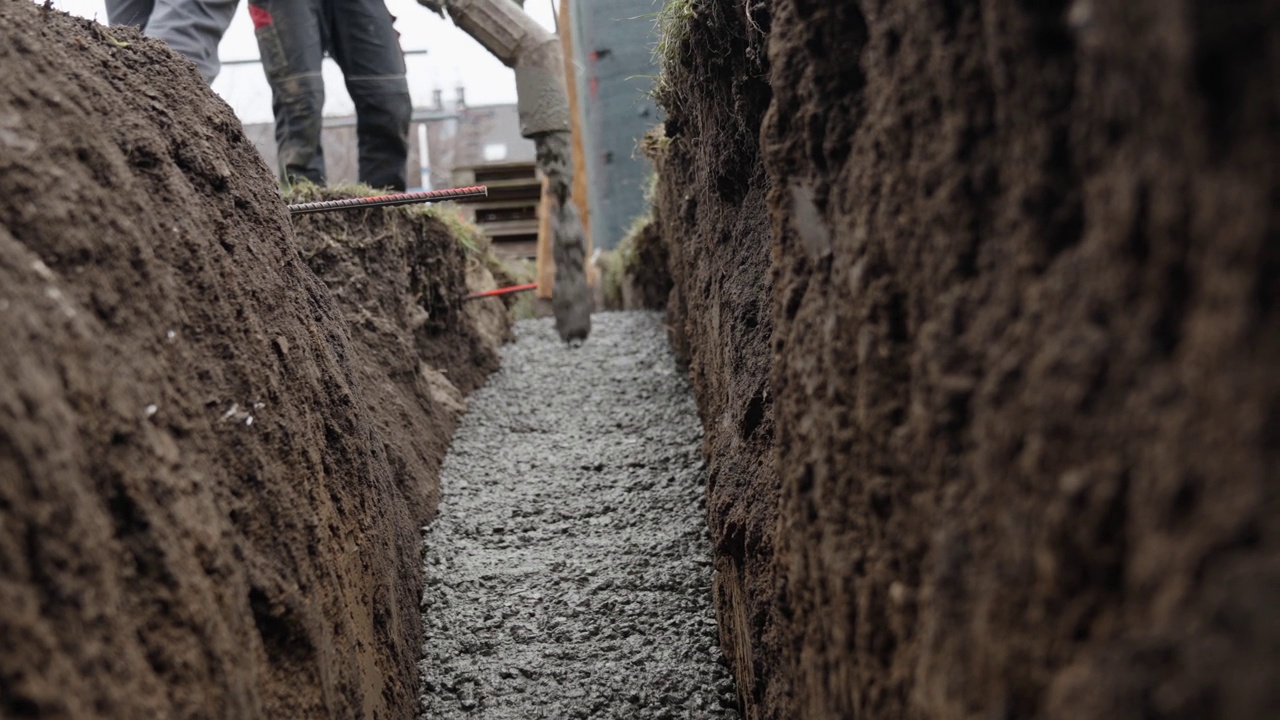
(569, 571)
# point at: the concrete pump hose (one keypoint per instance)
(516, 39)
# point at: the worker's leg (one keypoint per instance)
(193, 28)
(129, 12)
(366, 46)
(290, 40)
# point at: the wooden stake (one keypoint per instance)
(546, 264)
(579, 152)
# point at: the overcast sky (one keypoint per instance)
(453, 58)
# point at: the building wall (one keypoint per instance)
(613, 44)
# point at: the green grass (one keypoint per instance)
(521, 306)
(467, 234)
(615, 265)
(671, 23)
(612, 276)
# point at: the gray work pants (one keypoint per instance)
(192, 27)
(293, 36)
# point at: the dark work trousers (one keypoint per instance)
(293, 36)
(192, 27)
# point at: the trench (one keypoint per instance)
(568, 573)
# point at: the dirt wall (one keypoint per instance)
(710, 203)
(1022, 405)
(212, 475)
(398, 277)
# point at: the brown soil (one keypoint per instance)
(711, 206)
(1023, 347)
(392, 269)
(160, 554)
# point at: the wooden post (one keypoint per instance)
(579, 151)
(546, 265)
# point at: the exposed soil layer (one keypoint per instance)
(1024, 404)
(398, 277)
(710, 206)
(569, 570)
(210, 487)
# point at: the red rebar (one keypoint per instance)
(388, 200)
(502, 291)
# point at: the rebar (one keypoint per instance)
(389, 200)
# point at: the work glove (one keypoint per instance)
(435, 6)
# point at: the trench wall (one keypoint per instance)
(979, 304)
(218, 436)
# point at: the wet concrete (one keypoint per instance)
(569, 571)
(571, 300)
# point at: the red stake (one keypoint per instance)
(502, 291)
